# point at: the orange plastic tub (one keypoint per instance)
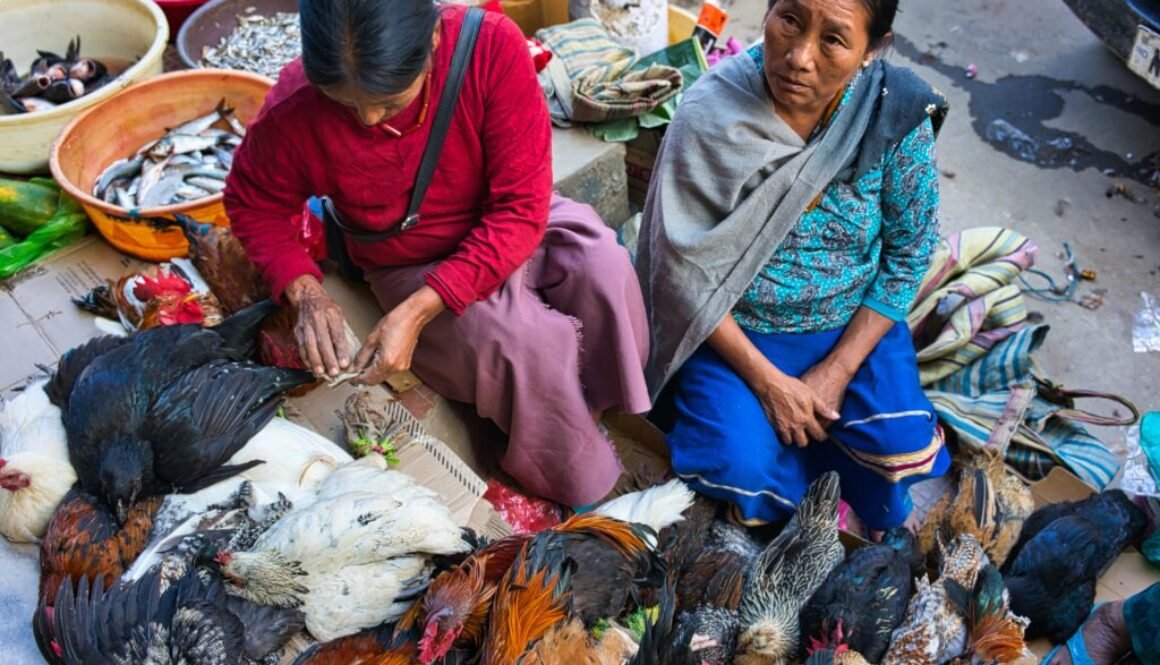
(118, 127)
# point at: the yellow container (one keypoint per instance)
(117, 128)
(681, 24)
(118, 32)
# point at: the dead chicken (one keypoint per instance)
(784, 576)
(988, 502)
(935, 630)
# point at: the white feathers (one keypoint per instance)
(365, 542)
(33, 445)
(297, 460)
(657, 507)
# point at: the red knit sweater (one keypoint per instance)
(487, 206)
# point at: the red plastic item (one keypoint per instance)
(311, 235)
(525, 514)
(176, 12)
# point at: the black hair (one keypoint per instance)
(381, 46)
(882, 14)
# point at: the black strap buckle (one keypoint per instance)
(410, 221)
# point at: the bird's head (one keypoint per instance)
(12, 478)
(442, 629)
(121, 474)
(31, 487)
(263, 578)
(454, 600)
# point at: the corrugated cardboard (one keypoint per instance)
(36, 309)
(42, 323)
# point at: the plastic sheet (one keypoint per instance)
(1137, 477)
(525, 514)
(65, 227)
(1146, 327)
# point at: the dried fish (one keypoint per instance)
(188, 163)
(260, 44)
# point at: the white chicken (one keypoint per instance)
(355, 558)
(35, 473)
(297, 460)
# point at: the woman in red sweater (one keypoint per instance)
(504, 294)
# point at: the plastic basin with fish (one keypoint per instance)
(218, 19)
(120, 126)
(118, 32)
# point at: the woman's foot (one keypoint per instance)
(1105, 636)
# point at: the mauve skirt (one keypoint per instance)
(564, 337)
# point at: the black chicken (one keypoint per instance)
(163, 412)
(866, 596)
(185, 622)
(1064, 548)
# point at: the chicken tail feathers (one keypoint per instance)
(819, 506)
(658, 634)
(239, 332)
(657, 508)
(995, 635)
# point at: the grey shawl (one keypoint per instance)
(732, 179)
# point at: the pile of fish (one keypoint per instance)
(260, 44)
(52, 80)
(189, 163)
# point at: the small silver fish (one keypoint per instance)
(125, 199)
(180, 144)
(163, 193)
(210, 184)
(192, 193)
(203, 123)
(151, 174)
(220, 134)
(122, 168)
(224, 156)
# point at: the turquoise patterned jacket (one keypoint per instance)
(866, 243)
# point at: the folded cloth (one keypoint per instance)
(968, 303)
(589, 80)
(633, 94)
(583, 46)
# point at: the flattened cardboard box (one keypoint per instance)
(35, 307)
(41, 323)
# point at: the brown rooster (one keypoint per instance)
(614, 555)
(84, 541)
(988, 502)
(534, 597)
(454, 610)
(157, 297)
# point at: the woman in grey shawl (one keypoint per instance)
(792, 215)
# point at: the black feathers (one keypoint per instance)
(1063, 549)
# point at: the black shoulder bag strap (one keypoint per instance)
(448, 99)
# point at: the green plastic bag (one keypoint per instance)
(65, 227)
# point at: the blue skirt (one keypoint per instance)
(887, 438)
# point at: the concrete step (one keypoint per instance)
(591, 171)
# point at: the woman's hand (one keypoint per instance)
(391, 345)
(320, 329)
(829, 381)
(797, 412)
